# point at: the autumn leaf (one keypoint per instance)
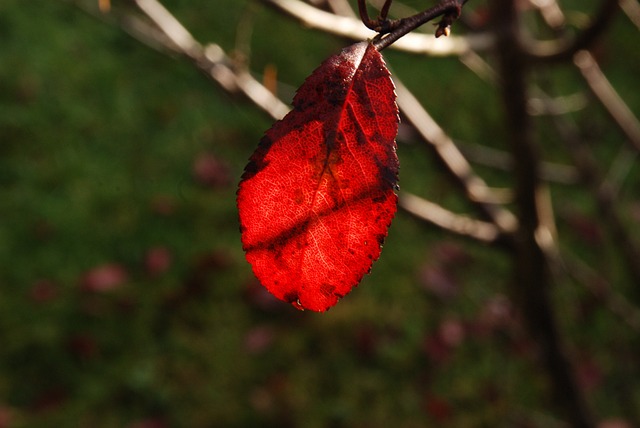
(317, 196)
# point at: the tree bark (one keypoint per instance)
(531, 288)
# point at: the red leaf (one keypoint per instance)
(317, 196)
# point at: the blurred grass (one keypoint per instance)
(99, 141)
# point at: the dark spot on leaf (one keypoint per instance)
(327, 289)
(291, 297)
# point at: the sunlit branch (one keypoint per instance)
(475, 188)
(171, 27)
(341, 8)
(605, 188)
(602, 89)
(605, 92)
(455, 223)
(632, 9)
(551, 12)
(353, 29)
(168, 33)
(375, 24)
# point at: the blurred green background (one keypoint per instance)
(125, 299)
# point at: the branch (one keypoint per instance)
(605, 92)
(475, 188)
(391, 31)
(166, 32)
(171, 27)
(503, 161)
(603, 193)
(588, 277)
(341, 7)
(353, 29)
(605, 189)
(534, 238)
(632, 9)
(447, 220)
(564, 49)
(600, 86)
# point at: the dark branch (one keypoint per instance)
(532, 285)
(391, 30)
(379, 25)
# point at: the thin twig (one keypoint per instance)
(617, 108)
(168, 33)
(605, 92)
(449, 10)
(475, 188)
(379, 24)
(603, 192)
(605, 188)
(620, 168)
(551, 12)
(171, 27)
(631, 8)
(478, 65)
(455, 223)
(341, 8)
(564, 48)
(353, 29)
(503, 161)
(600, 287)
